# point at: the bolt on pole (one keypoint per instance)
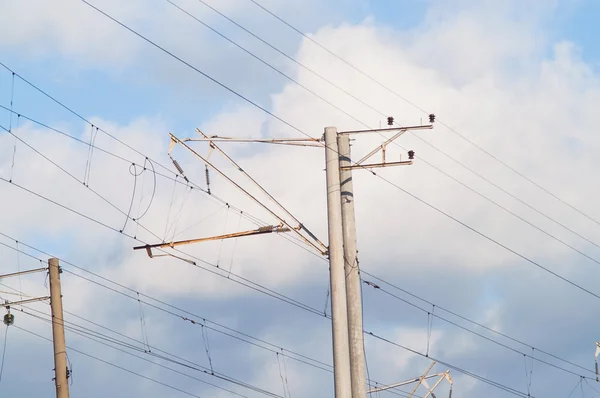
(58, 331)
(339, 314)
(353, 292)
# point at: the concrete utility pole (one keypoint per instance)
(349, 367)
(339, 313)
(58, 331)
(353, 292)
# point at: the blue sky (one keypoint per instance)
(518, 78)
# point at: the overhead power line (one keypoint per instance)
(111, 342)
(428, 312)
(395, 93)
(275, 348)
(221, 273)
(88, 3)
(112, 364)
(454, 313)
(554, 237)
(475, 376)
(187, 316)
(312, 71)
(481, 234)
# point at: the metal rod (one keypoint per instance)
(339, 314)
(58, 331)
(424, 127)
(353, 292)
(262, 230)
(377, 165)
(30, 271)
(20, 302)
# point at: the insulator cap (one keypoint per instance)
(9, 319)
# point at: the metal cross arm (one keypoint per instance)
(399, 131)
(260, 231)
(8, 304)
(31, 271)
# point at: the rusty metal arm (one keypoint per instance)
(262, 230)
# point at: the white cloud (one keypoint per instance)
(538, 115)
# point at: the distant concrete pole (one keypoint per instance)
(353, 292)
(58, 331)
(339, 314)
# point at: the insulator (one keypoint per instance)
(411, 155)
(431, 118)
(390, 121)
(9, 319)
(450, 393)
(177, 166)
(266, 228)
(206, 172)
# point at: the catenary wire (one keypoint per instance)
(275, 348)
(382, 113)
(103, 339)
(238, 279)
(197, 188)
(458, 369)
(389, 182)
(112, 364)
(451, 129)
(478, 334)
(261, 288)
(498, 385)
(86, 2)
(453, 313)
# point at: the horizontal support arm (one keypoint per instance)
(31, 300)
(262, 230)
(377, 165)
(30, 271)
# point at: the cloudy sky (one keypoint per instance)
(485, 249)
